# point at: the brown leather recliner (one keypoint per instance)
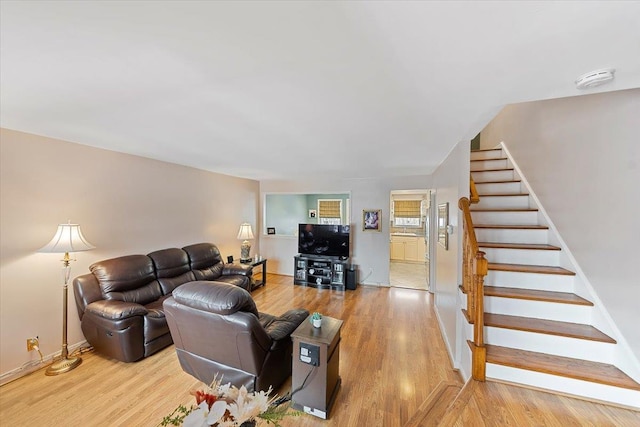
(217, 330)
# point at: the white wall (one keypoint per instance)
(451, 181)
(582, 158)
(370, 250)
(125, 205)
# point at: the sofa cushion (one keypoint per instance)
(205, 261)
(155, 323)
(215, 297)
(172, 268)
(129, 278)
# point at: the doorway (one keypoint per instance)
(409, 238)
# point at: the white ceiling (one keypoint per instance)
(281, 90)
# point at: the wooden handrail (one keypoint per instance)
(464, 205)
(474, 268)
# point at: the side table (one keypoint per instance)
(262, 262)
(315, 370)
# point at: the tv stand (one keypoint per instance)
(320, 272)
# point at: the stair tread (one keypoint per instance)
(503, 181)
(514, 226)
(536, 295)
(503, 195)
(526, 268)
(481, 150)
(494, 170)
(596, 372)
(491, 158)
(435, 406)
(536, 246)
(545, 326)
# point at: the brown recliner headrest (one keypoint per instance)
(170, 262)
(203, 255)
(129, 278)
(215, 297)
(172, 268)
(205, 260)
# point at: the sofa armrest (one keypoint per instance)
(241, 269)
(116, 310)
(282, 327)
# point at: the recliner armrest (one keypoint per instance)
(116, 310)
(241, 269)
(282, 327)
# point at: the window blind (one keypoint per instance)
(329, 208)
(406, 208)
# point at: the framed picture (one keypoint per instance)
(312, 213)
(372, 220)
(443, 222)
(271, 230)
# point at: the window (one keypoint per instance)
(284, 211)
(329, 211)
(407, 213)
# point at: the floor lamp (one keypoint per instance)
(68, 238)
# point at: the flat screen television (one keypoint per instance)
(324, 240)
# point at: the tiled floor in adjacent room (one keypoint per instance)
(409, 275)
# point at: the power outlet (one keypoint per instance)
(32, 343)
(309, 354)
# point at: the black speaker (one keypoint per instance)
(352, 277)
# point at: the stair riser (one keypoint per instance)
(551, 344)
(503, 175)
(538, 309)
(543, 282)
(586, 389)
(503, 202)
(511, 235)
(488, 154)
(505, 218)
(499, 187)
(489, 164)
(522, 256)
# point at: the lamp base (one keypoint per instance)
(245, 248)
(63, 365)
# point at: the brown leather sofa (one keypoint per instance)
(217, 330)
(120, 302)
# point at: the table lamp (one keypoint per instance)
(245, 234)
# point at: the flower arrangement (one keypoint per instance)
(228, 406)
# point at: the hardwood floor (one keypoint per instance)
(392, 357)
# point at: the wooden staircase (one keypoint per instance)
(536, 326)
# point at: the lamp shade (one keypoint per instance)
(245, 232)
(68, 238)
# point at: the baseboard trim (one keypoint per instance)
(35, 365)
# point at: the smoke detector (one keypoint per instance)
(595, 78)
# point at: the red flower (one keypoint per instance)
(201, 396)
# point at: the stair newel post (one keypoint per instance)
(479, 352)
(475, 268)
(467, 269)
(467, 256)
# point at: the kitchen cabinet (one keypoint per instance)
(407, 248)
(397, 249)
